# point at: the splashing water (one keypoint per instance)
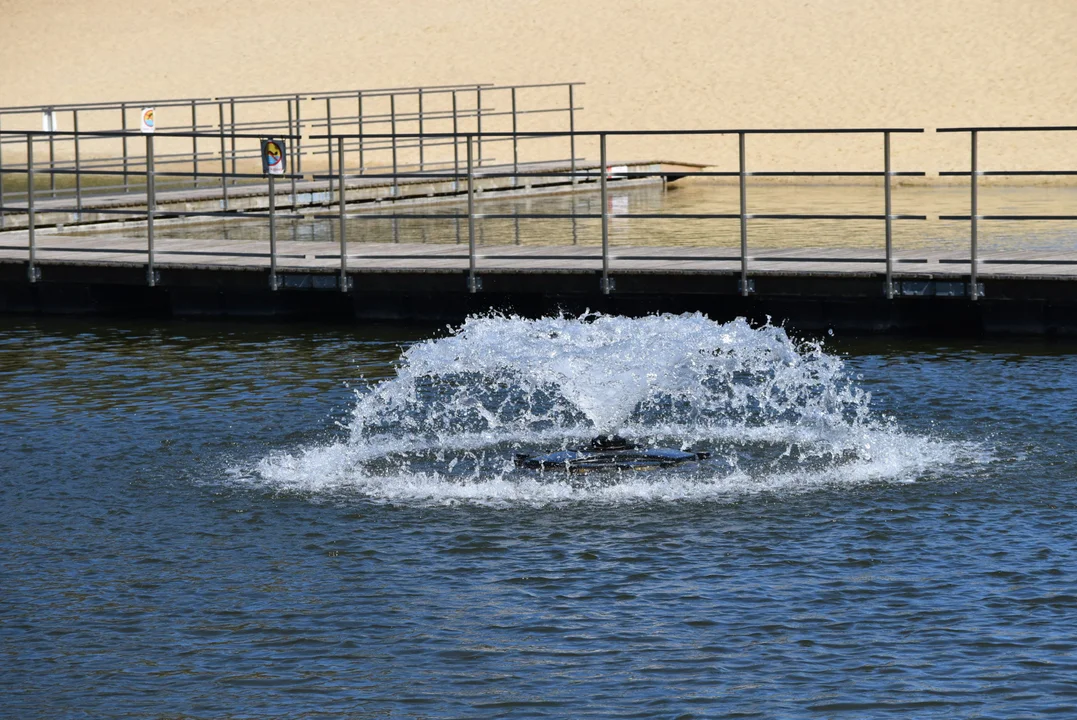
(774, 414)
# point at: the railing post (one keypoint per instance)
(329, 142)
(473, 283)
(293, 131)
(232, 119)
(151, 206)
(194, 141)
(1, 182)
(455, 147)
(422, 162)
(478, 125)
(78, 166)
(973, 175)
(33, 275)
(572, 132)
(744, 287)
(606, 284)
(342, 202)
(126, 160)
(889, 219)
(224, 157)
(298, 141)
(359, 102)
(272, 233)
(392, 129)
(515, 144)
(52, 156)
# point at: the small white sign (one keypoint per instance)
(49, 121)
(616, 171)
(147, 123)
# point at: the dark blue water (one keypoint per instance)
(146, 571)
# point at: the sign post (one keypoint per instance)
(273, 163)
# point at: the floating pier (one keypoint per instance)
(811, 289)
(131, 271)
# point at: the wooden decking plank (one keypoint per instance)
(323, 255)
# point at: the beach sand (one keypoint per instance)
(669, 64)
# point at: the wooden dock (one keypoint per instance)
(311, 195)
(305, 256)
(810, 289)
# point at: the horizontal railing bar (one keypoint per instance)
(1029, 128)
(407, 115)
(158, 214)
(797, 216)
(118, 105)
(141, 251)
(532, 85)
(510, 113)
(254, 99)
(411, 90)
(1009, 217)
(696, 258)
(138, 173)
(371, 147)
(251, 125)
(249, 154)
(239, 99)
(1003, 261)
(513, 256)
(440, 89)
(17, 137)
(387, 118)
(826, 173)
(133, 160)
(598, 216)
(88, 165)
(966, 173)
(136, 133)
(567, 174)
(597, 133)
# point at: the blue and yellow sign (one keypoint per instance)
(148, 124)
(273, 156)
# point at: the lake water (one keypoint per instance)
(215, 520)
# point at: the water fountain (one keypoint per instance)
(465, 413)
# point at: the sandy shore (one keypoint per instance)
(669, 64)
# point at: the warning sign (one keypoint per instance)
(273, 155)
(147, 125)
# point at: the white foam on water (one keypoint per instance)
(777, 415)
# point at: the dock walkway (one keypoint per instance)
(379, 257)
(809, 289)
(309, 194)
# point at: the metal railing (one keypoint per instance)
(209, 155)
(466, 173)
(974, 172)
(474, 172)
(150, 174)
